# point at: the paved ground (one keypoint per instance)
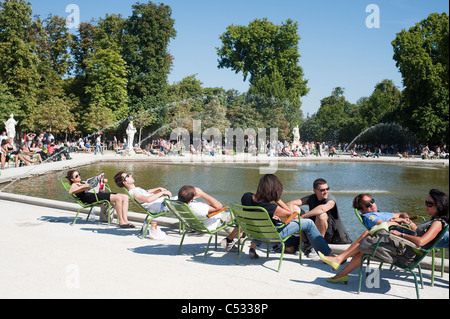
(44, 256)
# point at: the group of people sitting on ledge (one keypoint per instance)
(320, 226)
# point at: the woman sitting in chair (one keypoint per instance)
(268, 196)
(80, 190)
(436, 206)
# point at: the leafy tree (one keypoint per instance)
(106, 74)
(55, 115)
(18, 61)
(268, 55)
(421, 54)
(382, 105)
(146, 38)
(336, 117)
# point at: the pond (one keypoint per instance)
(396, 188)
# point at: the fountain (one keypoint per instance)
(385, 133)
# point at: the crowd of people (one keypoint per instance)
(320, 226)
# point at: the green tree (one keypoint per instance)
(106, 77)
(268, 55)
(18, 59)
(146, 38)
(421, 54)
(336, 117)
(382, 106)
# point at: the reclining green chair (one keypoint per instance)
(191, 222)
(148, 218)
(433, 252)
(421, 252)
(66, 186)
(257, 224)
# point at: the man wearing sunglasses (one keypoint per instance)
(371, 216)
(324, 212)
(151, 199)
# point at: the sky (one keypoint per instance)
(345, 43)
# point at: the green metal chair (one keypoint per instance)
(66, 185)
(191, 222)
(148, 218)
(433, 252)
(420, 251)
(257, 224)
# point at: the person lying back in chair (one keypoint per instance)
(213, 210)
(151, 199)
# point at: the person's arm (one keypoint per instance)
(149, 199)
(214, 204)
(320, 209)
(421, 241)
(78, 187)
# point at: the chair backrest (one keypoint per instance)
(255, 221)
(426, 251)
(65, 183)
(185, 215)
(359, 216)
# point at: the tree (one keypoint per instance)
(268, 55)
(18, 61)
(336, 117)
(106, 75)
(382, 106)
(146, 38)
(421, 54)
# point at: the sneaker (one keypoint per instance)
(307, 249)
(228, 246)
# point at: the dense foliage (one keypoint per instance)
(117, 67)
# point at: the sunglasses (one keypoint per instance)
(429, 204)
(370, 203)
(323, 189)
(76, 176)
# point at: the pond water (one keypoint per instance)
(396, 188)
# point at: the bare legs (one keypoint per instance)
(121, 203)
(352, 251)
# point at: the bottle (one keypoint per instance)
(153, 229)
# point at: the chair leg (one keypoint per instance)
(240, 250)
(181, 242)
(416, 283)
(433, 255)
(76, 216)
(281, 257)
(361, 266)
(207, 247)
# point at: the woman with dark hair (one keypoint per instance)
(268, 196)
(81, 190)
(436, 206)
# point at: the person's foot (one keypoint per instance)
(228, 245)
(252, 253)
(127, 226)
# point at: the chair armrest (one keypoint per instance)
(398, 239)
(218, 212)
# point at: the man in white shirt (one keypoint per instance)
(188, 194)
(151, 199)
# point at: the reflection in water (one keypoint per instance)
(396, 188)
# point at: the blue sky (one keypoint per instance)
(337, 48)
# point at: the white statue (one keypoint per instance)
(10, 126)
(130, 137)
(296, 134)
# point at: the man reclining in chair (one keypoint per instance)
(151, 199)
(213, 210)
